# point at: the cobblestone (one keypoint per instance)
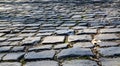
(59, 32)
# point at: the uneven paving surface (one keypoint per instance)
(59, 33)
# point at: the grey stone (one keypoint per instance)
(111, 30)
(26, 34)
(1, 55)
(64, 32)
(31, 40)
(13, 56)
(28, 31)
(79, 63)
(5, 31)
(73, 38)
(32, 25)
(4, 43)
(43, 47)
(44, 34)
(15, 39)
(10, 35)
(40, 55)
(110, 61)
(108, 44)
(107, 37)
(5, 48)
(42, 63)
(83, 44)
(89, 31)
(53, 39)
(60, 46)
(110, 51)
(2, 39)
(46, 31)
(67, 25)
(1, 34)
(79, 27)
(18, 48)
(74, 52)
(15, 43)
(10, 64)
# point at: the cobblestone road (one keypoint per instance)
(59, 33)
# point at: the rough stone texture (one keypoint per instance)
(61, 46)
(73, 38)
(112, 30)
(30, 40)
(40, 55)
(1, 55)
(15, 39)
(107, 44)
(74, 52)
(5, 49)
(53, 39)
(110, 51)
(43, 47)
(110, 61)
(18, 48)
(10, 64)
(13, 56)
(79, 63)
(83, 44)
(107, 37)
(42, 63)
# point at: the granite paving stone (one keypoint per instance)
(1, 34)
(4, 43)
(42, 63)
(1, 55)
(110, 61)
(2, 39)
(44, 34)
(31, 40)
(64, 32)
(111, 30)
(60, 46)
(10, 64)
(48, 54)
(13, 56)
(26, 34)
(110, 51)
(74, 52)
(5, 48)
(108, 44)
(79, 63)
(83, 44)
(18, 48)
(43, 47)
(15, 39)
(107, 37)
(53, 39)
(74, 38)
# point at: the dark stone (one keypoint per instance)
(18, 48)
(28, 31)
(110, 51)
(74, 52)
(40, 55)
